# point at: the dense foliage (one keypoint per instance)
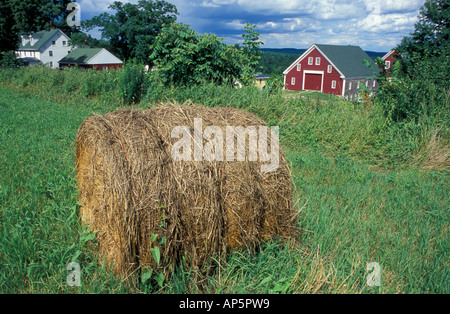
(181, 56)
(274, 62)
(418, 86)
(133, 28)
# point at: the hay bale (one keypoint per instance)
(131, 187)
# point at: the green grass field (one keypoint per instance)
(358, 201)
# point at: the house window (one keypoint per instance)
(310, 60)
(293, 81)
(367, 83)
(299, 67)
(106, 68)
(349, 85)
(333, 84)
(374, 83)
(50, 53)
(388, 64)
(329, 68)
(53, 43)
(51, 64)
(317, 60)
(64, 43)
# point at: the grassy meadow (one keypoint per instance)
(367, 190)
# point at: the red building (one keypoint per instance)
(389, 60)
(331, 69)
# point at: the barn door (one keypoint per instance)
(313, 81)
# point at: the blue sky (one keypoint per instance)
(372, 24)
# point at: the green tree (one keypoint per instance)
(418, 85)
(183, 57)
(8, 34)
(252, 53)
(134, 27)
(431, 37)
(83, 40)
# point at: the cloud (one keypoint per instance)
(387, 23)
(372, 24)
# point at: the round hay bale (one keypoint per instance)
(139, 195)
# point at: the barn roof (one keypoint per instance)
(348, 60)
(90, 56)
(80, 55)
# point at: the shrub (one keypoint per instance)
(132, 84)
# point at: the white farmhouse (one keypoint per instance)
(44, 47)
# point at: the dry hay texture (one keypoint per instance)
(131, 188)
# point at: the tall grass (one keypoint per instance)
(362, 193)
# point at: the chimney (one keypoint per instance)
(31, 40)
(23, 40)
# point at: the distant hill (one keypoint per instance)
(294, 51)
(276, 60)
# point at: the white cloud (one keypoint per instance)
(394, 22)
(372, 24)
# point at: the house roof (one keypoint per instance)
(42, 37)
(80, 55)
(388, 54)
(348, 60)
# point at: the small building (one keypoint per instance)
(331, 69)
(44, 47)
(260, 80)
(389, 59)
(91, 58)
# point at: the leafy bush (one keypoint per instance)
(132, 84)
(421, 92)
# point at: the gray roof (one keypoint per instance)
(80, 55)
(42, 37)
(349, 60)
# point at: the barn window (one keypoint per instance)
(330, 68)
(299, 67)
(388, 64)
(333, 84)
(293, 81)
(317, 60)
(310, 60)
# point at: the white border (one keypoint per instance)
(312, 72)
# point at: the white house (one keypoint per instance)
(44, 47)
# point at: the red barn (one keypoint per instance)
(389, 60)
(331, 69)
(91, 58)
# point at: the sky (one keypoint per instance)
(374, 25)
